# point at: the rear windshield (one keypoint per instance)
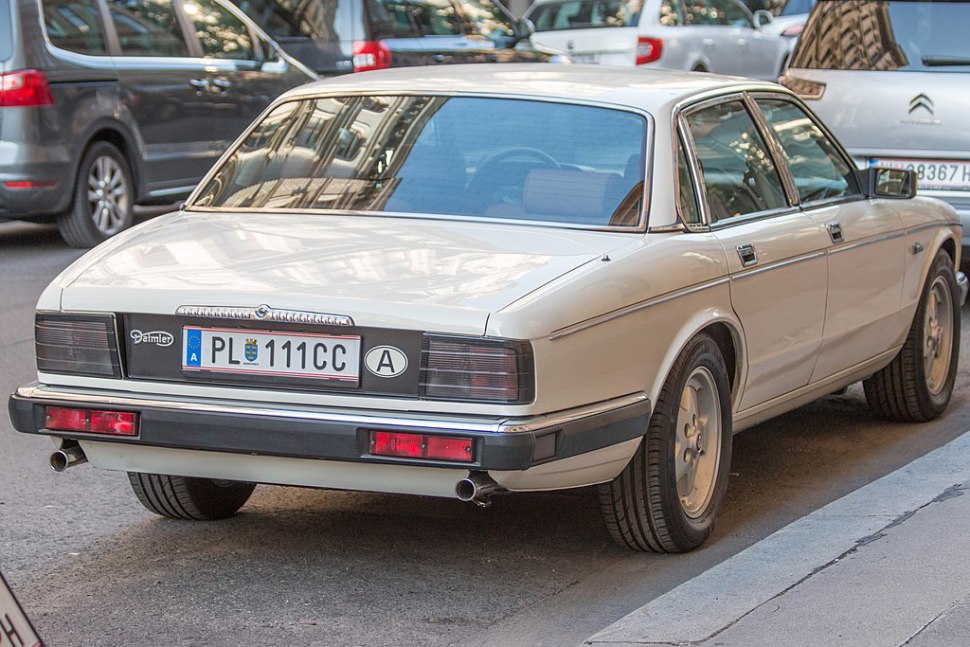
(451, 156)
(585, 14)
(870, 35)
(6, 37)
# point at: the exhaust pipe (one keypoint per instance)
(476, 487)
(67, 456)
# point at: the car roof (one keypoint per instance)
(651, 90)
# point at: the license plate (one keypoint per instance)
(263, 352)
(583, 59)
(934, 175)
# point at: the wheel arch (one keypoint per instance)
(118, 135)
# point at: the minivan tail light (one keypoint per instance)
(25, 89)
(371, 55)
(649, 50)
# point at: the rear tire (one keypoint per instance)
(916, 386)
(104, 197)
(668, 497)
(183, 497)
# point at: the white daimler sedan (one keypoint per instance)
(466, 281)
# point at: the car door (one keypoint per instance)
(163, 90)
(866, 247)
(242, 74)
(775, 252)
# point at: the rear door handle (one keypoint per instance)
(199, 84)
(835, 232)
(438, 58)
(222, 84)
(747, 254)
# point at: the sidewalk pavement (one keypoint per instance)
(887, 565)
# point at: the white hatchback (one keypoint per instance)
(720, 36)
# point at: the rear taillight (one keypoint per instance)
(441, 448)
(25, 89)
(804, 88)
(483, 370)
(76, 345)
(794, 30)
(92, 421)
(371, 55)
(649, 50)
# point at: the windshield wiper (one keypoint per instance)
(937, 60)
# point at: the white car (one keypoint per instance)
(491, 279)
(720, 36)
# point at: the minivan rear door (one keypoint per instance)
(590, 31)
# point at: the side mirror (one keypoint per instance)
(892, 183)
(762, 17)
(523, 29)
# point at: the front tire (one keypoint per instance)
(916, 386)
(668, 497)
(183, 497)
(104, 197)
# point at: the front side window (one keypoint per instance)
(586, 14)
(147, 28)
(738, 173)
(819, 171)
(450, 156)
(732, 13)
(325, 21)
(703, 12)
(221, 34)
(74, 26)
(435, 17)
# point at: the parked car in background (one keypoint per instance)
(105, 103)
(341, 36)
(719, 36)
(499, 278)
(893, 80)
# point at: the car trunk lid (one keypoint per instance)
(607, 46)
(413, 274)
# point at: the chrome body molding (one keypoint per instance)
(636, 307)
(456, 423)
(265, 313)
(774, 266)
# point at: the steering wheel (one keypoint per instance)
(497, 181)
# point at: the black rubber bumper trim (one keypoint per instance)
(293, 437)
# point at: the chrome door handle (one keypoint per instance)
(222, 84)
(199, 84)
(438, 58)
(835, 232)
(747, 254)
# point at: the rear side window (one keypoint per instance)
(322, 21)
(738, 173)
(884, 36)
(74, 25)
(586, 14)
(6, 34)
(221, 34)
(147, 28)
(672, 13)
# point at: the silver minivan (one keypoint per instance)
(892, 79)
(720, 36)
(106, 103)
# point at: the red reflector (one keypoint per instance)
(30, 184)
(25, 89)
(442, 448)
(92, 421)
(649, 50)
(371, 55)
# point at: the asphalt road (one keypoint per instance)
(308, 567)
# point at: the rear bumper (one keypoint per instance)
(53, 196)
(340, 435)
